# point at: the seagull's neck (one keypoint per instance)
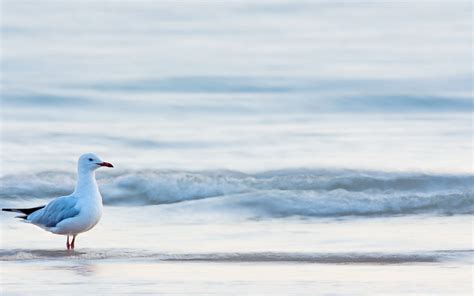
(86, 185)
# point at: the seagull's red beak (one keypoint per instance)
(106, 164)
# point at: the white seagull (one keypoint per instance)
(75, 213)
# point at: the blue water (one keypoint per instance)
(288, 108)
(272, 147)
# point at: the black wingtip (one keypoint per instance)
(24, 211)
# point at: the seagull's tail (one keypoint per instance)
(26, 212)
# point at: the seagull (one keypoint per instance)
(75, 213)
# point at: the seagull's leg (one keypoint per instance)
(73, 240)
(67, 243)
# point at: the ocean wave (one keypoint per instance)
(299, 192)
(336, 203)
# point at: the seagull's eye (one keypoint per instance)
(90, 159)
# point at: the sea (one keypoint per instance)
(259, 147)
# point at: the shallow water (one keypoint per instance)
(321, 258)
(165, 278)
(123, 254)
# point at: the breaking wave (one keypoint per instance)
(306, 193)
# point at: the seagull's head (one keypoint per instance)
(91, 162)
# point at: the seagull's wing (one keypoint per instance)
(57, 210)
